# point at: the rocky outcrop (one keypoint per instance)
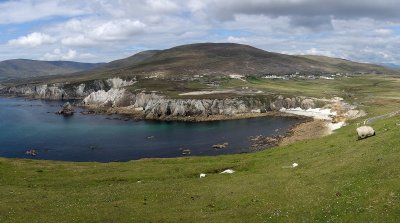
(66, 110)
(119, 83)
(158, 107)
(112, 98)
(295, 102)
(64, 91)
(111, 94)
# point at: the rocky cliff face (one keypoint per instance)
(156, 106)
(110, 93)
(65, 91)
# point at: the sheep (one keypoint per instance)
(365, 132)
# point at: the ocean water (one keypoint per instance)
(32, 124)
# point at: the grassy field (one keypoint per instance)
(339, 179)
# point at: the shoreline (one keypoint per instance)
(307, 128)
(138, 115)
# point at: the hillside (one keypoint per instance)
(22, 68)
(225, 59)
(339, 179)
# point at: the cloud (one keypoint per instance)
(297, 10)
(31, 10)
(32, 40)
(79, 40)
(315, 51)
(117, 30)
(360, 30)
(91, 32)
(232, 39)
(69, 54)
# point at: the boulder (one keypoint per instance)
(307, 104)
(66, 110)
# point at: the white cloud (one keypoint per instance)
(383, 32)
(69, 54)
(79, 40)
(361, 31)
(166, 6)
(315, 51)
(232, 39)
(32, 40)
(30, 10)
(117, 30)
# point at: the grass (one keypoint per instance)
(339, 179)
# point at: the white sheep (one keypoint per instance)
(365, 132)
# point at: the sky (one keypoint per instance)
(105, 30)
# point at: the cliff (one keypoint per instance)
(111, 93)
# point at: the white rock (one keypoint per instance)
(202, 175)
(80, 90)
(294, 165)
(102, 98)
(118, 82)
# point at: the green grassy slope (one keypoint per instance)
(339, 179)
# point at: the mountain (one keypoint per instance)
(132, 60)
(201, 58)
(225, 59)
(22, 68)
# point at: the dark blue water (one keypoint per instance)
(32, 124)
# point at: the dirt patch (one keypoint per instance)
(306, 130)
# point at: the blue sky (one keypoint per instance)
(105, 30)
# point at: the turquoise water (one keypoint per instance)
(32, 124)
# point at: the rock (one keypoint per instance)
(118, 83)
(307, 104)
(364, 132)
(220, 146)
(202, 175)
(354, 114)
(294, 165)
(66, 110)
(111, 98)
(110, 93)
(32, 152)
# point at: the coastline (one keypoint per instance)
(307, 128)
(311, 129)
(129, 113)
